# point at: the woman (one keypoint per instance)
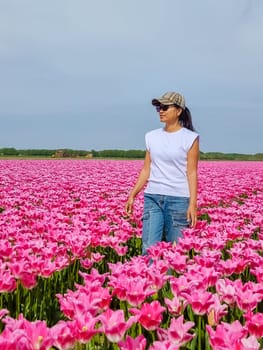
(170, 171)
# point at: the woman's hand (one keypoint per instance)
(192, 161)
(141, 181)
(129, 206)
(192, 215)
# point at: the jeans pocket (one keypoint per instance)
(180, 219)
(145, 216)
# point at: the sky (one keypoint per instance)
(81, 74)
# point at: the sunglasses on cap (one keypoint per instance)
(163, 108)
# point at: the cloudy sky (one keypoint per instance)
(81, 74)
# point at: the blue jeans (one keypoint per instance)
(163, 217)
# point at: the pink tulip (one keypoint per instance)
(254, 323)
(64, 334)
(156, 251)
(86, 263)
(120, 250)
(248, 300)
(180, 285)
(257, 271)
(175, 306)
(94, 277)
(226, 290)
(85, 327)
(3, 313)
(200, 301)
(150, 315)
(228, 266)
(27, 335)
(249, 343)
(163, 345)
(208, 258)
(6, 250)
(84, 300)
(23, 272)
(177, 332)
(159, 267)
(113, 324)
(132, 289)
(176, 260)
(156, 278)
(138, 266)
(202, 276)
(7, 282)
(137, 291)
(226, 336)
(138, 343)
(216, 311)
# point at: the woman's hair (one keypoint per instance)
(186, 119)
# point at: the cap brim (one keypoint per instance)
(161, 101)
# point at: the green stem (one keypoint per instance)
(124, 307)
(139, 327)
(199, 332)
(18, 298)
(190, 313)
(153, 336)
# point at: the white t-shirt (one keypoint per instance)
(168, 151)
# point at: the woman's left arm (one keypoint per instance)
(192, 162)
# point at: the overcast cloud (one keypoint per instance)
(81, 74)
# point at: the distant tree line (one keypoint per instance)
(113, 153)
(117, 153)
(41, 152)
(230, 156)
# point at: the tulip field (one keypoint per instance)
(72, 275)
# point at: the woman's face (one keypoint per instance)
(170, 114)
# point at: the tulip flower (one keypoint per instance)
(7, 281)
(175, 306)
(226, 336)
(249, 343)
(177, 332)
(202, 276)
(132, 289)
(163, 345)
(3, 313)
(254, 323)
(200, 301)
(113, 324)
(248, 300)
(216, 311)
(150, 315)
(176, 260)
(180, 285)
(226, 289)
(138, 343)
(26, 335)
(64, 335)
(85, 327)
(156, 251)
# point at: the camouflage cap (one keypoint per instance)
(170, 98)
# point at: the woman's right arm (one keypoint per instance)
(141, 181)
